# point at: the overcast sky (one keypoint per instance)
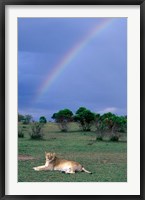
(72, 62)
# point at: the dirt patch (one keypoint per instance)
(25, 157)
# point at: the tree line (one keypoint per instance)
(107, 123)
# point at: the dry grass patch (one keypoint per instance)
(25, 157)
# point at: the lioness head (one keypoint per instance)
(50, 156)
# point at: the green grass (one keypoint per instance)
(106, 160)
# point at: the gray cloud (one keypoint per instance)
(95, 78)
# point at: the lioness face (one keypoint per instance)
(50, 156)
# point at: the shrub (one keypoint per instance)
(36, 130)
(20, 133)
(114, 138)
(99, 138)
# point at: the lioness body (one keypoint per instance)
(54, 163)
(66, 166)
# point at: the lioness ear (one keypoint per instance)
(45, 153)
(54, 154)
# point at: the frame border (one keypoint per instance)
(3, 3)
(142, 99)
(2, 100)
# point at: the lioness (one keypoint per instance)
(55, 163)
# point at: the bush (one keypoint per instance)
(20, 133)
(36, 130)
(64, 130)
(114, 138)
(99, 138)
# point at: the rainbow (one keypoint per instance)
(70, 55)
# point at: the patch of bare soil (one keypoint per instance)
(25, 157)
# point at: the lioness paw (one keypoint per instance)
(36, 168)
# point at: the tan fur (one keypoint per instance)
(55, 163)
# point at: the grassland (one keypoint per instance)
(106, 160)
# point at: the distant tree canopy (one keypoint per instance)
(85, 118)
(25, 119)
(20, 117)
(63, 117)
(43, 120)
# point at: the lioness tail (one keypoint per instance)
(83, 169)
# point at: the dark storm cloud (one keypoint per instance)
(96, 78)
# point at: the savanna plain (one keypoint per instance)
(105, 159)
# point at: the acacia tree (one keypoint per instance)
(63, 117)
(85, 118)
(111, 124)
